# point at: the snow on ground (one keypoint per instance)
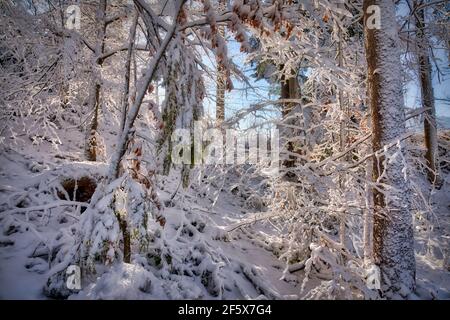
(23, 272)
(22, 276)
(432, 249)
(16, 281)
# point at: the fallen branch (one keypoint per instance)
(254, 218)
(296, 267)
(59, 203)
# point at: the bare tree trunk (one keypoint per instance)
(93, 143)
(123, 224)
(126, 85)
(220, 95)
(221, 79)
(342, 137)
(426, 87)
(393, 241)
(67, 65)
(67, 71)
(290, 89)
(368, 215)
(64, 93)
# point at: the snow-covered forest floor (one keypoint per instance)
(236, 232)
(23, 277)
(212, 149)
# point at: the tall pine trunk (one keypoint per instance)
(393, 242)
(426, 88)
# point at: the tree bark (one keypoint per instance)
(290, 89)
(126, 85)
(123, 225)
(426, 88)
(368, 215)
(393, 241)
(221, 78)
(342, 136)
(93, 144)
